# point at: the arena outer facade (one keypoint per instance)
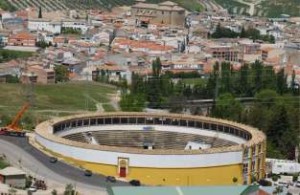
(238, 163)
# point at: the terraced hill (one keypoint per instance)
(265, 8)
(273, 8)
(51, 5)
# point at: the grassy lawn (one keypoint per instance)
(194, 81)
(52, 100)
(108, 108)
(6, 55)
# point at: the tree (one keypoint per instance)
(156, 68)
(293, 84)
(222, 32)
(227, 108)
(226, 77)
(28, 181)
(280, 134)
(132, 102)
(112, 36)
(243, 33)
(12, 79)
(269, 78)
(211, 85)
(69, 30)
(257, 73)
(259, 113)
(42, 44)
(7, 6)
(103, 76)
(69, 190)
(54, 192)
(155, 86)
(61, 73)
(253, 33)
(278, 190)
(243, 87)
(176, 104)
(266, 98)
(40, 13)
(137, 84)
(281, 82)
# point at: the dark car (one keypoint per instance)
(88, 173)
(135, 182)
(53, 159)
(111, 179)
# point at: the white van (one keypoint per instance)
(298, 183)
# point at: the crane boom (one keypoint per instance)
(14, 124)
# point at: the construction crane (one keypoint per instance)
(13, 128)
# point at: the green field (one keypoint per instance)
(53, 100)
(108, 108)
(6, 55)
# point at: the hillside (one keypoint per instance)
(52, 5)
(265, 8)
(54, 100)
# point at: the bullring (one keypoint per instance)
(158, 149)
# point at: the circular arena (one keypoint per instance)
(158, 149)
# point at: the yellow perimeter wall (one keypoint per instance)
(221, 175)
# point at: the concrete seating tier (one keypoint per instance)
(138, 139)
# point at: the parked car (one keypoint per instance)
(111, 179)
(88, 173)
(32, 189)
(135, 182)
(53, 159)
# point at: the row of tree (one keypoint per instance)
(276, 115)
(68, 30)
(251, 33)
(274, 111)
(7, 55)
(163, 91)
(249, 79)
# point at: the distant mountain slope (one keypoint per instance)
(266, 8)
(51, 5)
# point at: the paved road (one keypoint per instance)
(20, 153)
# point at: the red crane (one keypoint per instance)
(13, 129)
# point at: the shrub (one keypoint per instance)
(263, 182)
(275, 177)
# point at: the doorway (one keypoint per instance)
(123, 172)
(123, 164)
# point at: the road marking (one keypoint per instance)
(178, 189)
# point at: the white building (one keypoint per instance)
(279, 166)
(101, 38)
(76, 24)
(44, 25)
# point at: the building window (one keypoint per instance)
(245, 168)
(162, 12)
